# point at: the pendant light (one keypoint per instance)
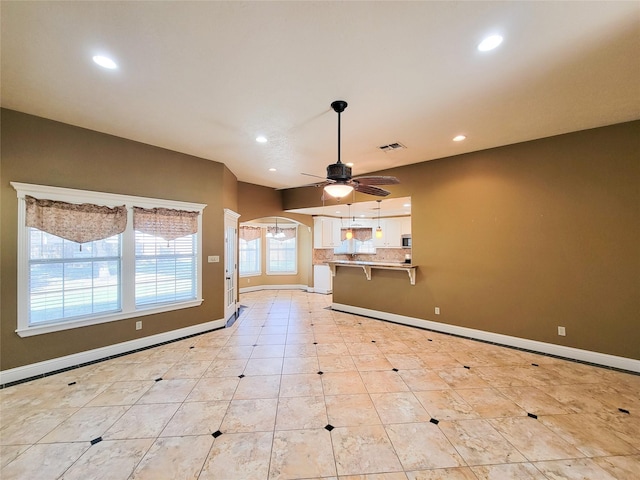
(379, 230)
(349, 234)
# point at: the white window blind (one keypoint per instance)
(67, 282)
(282, 256)
(249, 253)
(165, 271)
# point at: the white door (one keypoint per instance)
(230, 264)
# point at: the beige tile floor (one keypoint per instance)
(295, 391)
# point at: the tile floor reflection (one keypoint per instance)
(296, 391)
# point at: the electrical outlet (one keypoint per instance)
(139, 325)
(437, 310)
(562, 332)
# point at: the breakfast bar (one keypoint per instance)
(368, 266)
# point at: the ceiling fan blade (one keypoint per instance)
(376, 180)
(312, 175)
(371, 190)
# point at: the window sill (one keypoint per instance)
(85, 322)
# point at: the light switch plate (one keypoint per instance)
(213, 258)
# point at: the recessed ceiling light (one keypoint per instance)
(272, 169)
(105, 62)
(490, 43)
(459, 138)
(261, 139)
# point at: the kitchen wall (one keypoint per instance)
(520, 239)
(40, 151)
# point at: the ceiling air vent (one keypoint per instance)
(392, 147)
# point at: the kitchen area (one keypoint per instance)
(368, 235)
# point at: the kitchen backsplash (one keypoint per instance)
(393, 255)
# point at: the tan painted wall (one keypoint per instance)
(520, 239)
(39, 151)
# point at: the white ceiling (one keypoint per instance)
(205, 78)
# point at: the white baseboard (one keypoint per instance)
(622, 363)
(257, 288)
(55, 364)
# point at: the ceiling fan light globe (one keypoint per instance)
(338, 190)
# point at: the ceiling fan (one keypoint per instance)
(339, 181)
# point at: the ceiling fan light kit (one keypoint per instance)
(338, 190)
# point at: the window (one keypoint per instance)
(66, 281)
(249, 263)
(282, 255)
(165, 271)
(64, 284)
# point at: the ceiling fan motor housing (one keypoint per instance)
(339, 172)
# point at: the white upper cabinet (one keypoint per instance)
(326, 232)
(406, 225)
(391, 233)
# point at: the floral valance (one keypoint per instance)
(79, 223)
(281, 234)
(361, 234)
(165, 223)
(250, 233)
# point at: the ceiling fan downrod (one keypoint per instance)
(339, 172)
(338, 107)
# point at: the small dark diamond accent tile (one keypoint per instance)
(394, 369)
(329, 427)
(312, 324)
(535, 364)
(320, 372)
(241, 376)
(190, 348)
(532, 415)
(216, 434)
(468, 368)
(373, 341)
(429, 339)
(434, 421)
(315, 343)
(255, 344)
(158, 379)
(96, 440)
(72, 383)
(624, 410)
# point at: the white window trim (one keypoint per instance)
(129, 309)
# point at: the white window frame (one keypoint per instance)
(259, 271)
(268, 263)
(127, 285)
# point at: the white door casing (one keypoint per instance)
(230, 262)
